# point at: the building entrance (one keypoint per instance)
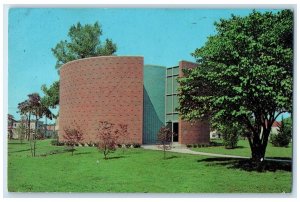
(175, 132)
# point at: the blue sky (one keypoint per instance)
(161, 36)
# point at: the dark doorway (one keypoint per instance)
(175, 131)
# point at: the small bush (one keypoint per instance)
(72, 137)
(57, 143)
(284, 135)
(280, 140)
(188, 145)
(136, 145)
(195, 145)
(230, 140)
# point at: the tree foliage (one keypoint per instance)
(244, 75)
(51, 98)
(84, 41)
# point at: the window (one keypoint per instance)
(169, 104)
(169, 72)
(176, 71)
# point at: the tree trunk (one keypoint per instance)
(34, 136)
(258, 152)
(259, 145)
(28, 126)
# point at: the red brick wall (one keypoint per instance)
(192, 132)
(107, 88)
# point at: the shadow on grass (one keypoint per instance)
(23, 150)
(115, 157)
(172, 157)
(279, 158)
(248, 165)
(16, 143)
(53, 152)
(80, 153)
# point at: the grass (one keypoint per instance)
(135, 171)
(243, 149)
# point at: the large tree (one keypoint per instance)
(84, 42)
(244, 75)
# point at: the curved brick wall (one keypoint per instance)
(106, 88)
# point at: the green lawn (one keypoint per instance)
(137, 170)
(243, 149)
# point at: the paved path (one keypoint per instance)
(185, 150)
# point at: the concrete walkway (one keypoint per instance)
(182, 149)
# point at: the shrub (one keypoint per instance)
(189, 145)
(230, 140)
(284, 135)
(72, 137)
(57, 143)
(136, 145)
(108, 136)
(164, 137)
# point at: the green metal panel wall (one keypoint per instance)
(154, 102)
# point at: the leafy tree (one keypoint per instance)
(107, 138)
(72, 137)
(51, 98)
(284, 135)
(244, 75)
(84, 42)
(164, 137)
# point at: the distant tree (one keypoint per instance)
(38, 110)
(25, 109)
(284, 135)
(10, 124)
(244, 75)
(164, 138)
(21, 130)
(84, 42)
(107, 138)
(33, 106)
(72, 137)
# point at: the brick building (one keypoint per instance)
(122, 90)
